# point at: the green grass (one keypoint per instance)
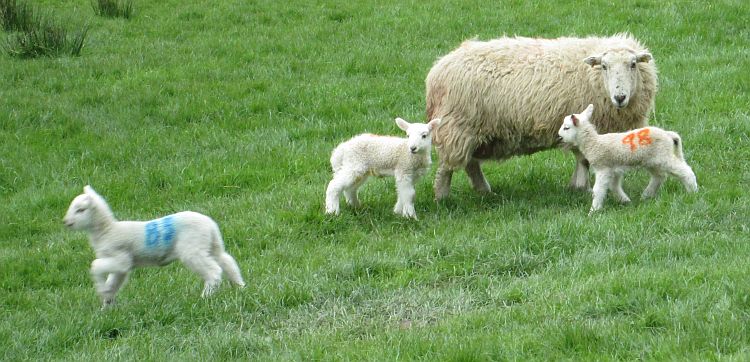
(232, 110)
(113, 8)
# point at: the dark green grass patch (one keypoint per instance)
(113, 8)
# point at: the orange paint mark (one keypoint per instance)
(642, 136)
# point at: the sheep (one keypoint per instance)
(121, 246)
(365, 155)
(611, 154)
(507, 97)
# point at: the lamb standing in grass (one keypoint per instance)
(122, 245)
(367, 155)
(611, 154)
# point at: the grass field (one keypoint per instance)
(231, 109)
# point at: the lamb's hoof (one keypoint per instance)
(593, 211)
(646, 196)
(107, 304)
(408, 213)
(332, 211)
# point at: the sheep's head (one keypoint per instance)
(419, 134)
(569, 130)
(86, 210)
(620, 72)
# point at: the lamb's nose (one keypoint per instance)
(413, 149)
(620, 98)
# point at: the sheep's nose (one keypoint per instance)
(413, 149)
(620, 98)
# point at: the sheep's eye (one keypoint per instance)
(424, 136)
(80, 210)
(566, 128)
(604, 66)
(632, 65)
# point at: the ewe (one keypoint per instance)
(611, 154)
(367, 155)
(507, 96)
(122, 245)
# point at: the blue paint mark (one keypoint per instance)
(152, 234)
(160, 233)
(167, 226)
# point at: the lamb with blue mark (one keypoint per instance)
(120, 246)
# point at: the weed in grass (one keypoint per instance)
(16, 16)
(48, 39)
(113, 8)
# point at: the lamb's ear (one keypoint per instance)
(404, 125)
(434, 124)
(574, 119)
(89, 190)
(589, 111)
(643, 57)
(593, 60)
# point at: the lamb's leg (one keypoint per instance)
(685, 174)
(580, 179)
(478, 181)
(442, 185)
(340, 182)
(351, 193)
(205, 266)
(601, 184)
(101, 269)
(406, 193)
(114, 282)
(616, 187)
(230, 268)
(657, 178)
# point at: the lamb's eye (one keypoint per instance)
(80, 210)
(604, 66)
(424, 136)
(632, 65)
(566, 128)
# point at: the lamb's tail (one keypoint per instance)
(226, 261)
(337, 159)
(677, 141)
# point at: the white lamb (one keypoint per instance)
(611, 154)
(122, 245)
(367, 155)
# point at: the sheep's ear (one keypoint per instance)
(574, 119)
(593, 60)
(589, 111)
(88, 189)
(643, 57)
(404, 125)
(434, 124)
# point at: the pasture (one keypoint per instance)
(231, 109)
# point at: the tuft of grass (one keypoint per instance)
(113, 8)
(16, 16)
(48, 39)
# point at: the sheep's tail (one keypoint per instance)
(677, 144)
(337, 159)
(226, 262)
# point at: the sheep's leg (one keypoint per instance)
(230, 268)
(406, 194)
(207, 268)
(616, 187)
(442, 185)
(478, 181)
(351, 193)
(601, 184)
(580, 179)
(657, 178)
(340, 182)
(101, 271)
(685, 174)
(114, 282)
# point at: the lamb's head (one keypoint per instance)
(419, 134)
(571, 124)
(87, 210)
(620, 72)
